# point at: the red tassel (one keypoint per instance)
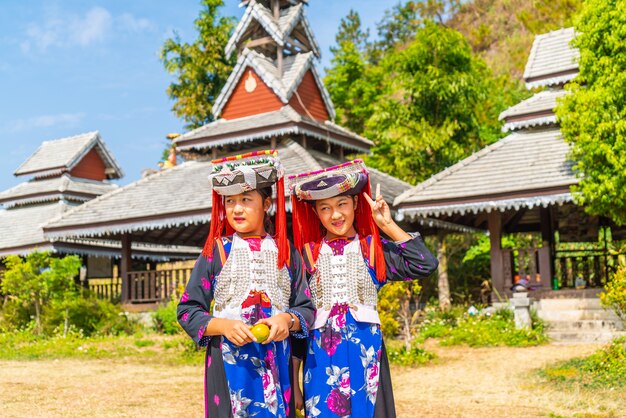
(307, 227)
(218, 213)
(281, 225)
(365, 226)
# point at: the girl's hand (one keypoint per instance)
(380, 210)
(279, 327)
(382, 216)
(237, 332)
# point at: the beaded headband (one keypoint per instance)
(245, 172)
(344, 179)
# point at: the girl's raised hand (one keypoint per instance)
(380, 209)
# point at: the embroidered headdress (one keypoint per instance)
(350, 178)
(243, 173)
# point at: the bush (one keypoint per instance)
(414, 357)
(486, 329)
(166, 319)
(90, 315)
(614, 295)
(606, 368)
(14, 314)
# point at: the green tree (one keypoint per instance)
(431, 111)
(348, 79)
(38, 277)
(593, 117)
(201, 68)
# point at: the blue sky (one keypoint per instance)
(70, 66)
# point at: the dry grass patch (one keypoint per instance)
(462, 382)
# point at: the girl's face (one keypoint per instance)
(245, 212)
(337, 215)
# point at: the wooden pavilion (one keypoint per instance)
(65, 173)
(522, 184)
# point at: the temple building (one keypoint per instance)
(521, 184)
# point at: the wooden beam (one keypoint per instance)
(125, 267)
(295, 42)
(512, 221)
(494, 220)
(258, 42)
(546, 254)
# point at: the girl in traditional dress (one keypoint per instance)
(251, 277)
(346, 372)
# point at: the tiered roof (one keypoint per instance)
(538, 110)
(283, 85)
(553, 60)
(527, 169)
(65, 187)
(63, 155)
(177, 199)
(290, 30)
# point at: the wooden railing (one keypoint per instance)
(152, 286)
(107, 289)
(592, 268)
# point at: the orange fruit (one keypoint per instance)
(260, 331)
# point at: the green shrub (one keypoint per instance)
(606, 368)
(90, 315)
(14, 314)
(166, 319)
(487, 329)
(413, 357)
(614, 295)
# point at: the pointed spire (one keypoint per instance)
(273, 28)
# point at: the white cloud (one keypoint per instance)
(127, 21)
(92, 28)
(67, 30)
(64, 120)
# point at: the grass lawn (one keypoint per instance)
(146, 376)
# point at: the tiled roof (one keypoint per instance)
(177, 196)
(522, 162)
(279, 29)
(61, 155)
(266, 125)
(533, 111)
(294, 69)
(21, 228)
(62, 187)
(21, 232)
(552, 59)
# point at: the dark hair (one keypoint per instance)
(266, 192)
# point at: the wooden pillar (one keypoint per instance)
(494, 221)
(125, 267)
(546, 253)
(273, 143)
(341, 154)
(214, 153)
(279, 49)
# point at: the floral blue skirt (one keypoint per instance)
(342, 367)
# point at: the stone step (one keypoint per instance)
(577, 315)
(569, 304)
(598, 325)
(573, 337)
